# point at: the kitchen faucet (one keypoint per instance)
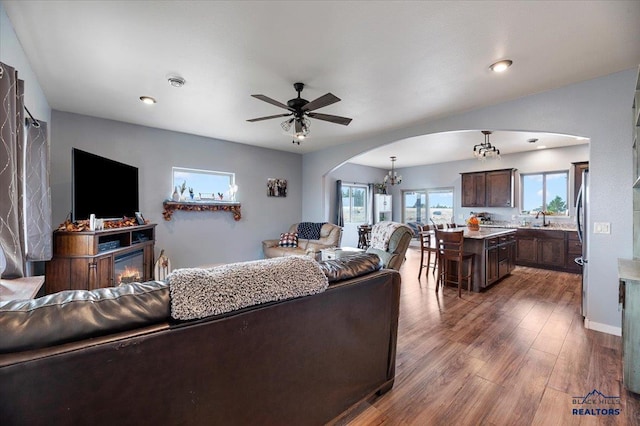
(544, 216)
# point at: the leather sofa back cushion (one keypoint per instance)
(78, 314)
(350, 266)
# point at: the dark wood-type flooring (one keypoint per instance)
(515, 354)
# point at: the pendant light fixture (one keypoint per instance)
(485, 150)
(393, 177)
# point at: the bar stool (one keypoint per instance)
(451, 257)
(428, 247)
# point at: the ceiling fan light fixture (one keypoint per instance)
(148, 100)
(501, 66)
(286, 125)
(301, 110)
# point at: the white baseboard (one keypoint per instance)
(604, 328)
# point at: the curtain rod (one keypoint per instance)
(355, 183)
(33, 120)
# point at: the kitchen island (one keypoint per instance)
(495, 251)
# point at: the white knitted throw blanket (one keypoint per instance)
(381, 233)
(198, 293)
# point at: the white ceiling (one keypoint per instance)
(393, 64)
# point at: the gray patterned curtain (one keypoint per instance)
(339, 213)
(11, 166)
(37, 193)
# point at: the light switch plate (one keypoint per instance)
(601, 228)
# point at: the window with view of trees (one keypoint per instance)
(354, 203)
(546, 192)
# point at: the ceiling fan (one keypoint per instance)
(299, 110)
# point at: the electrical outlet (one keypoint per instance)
(601, 228)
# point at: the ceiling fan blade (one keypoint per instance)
(322, 101)
(270, 101)
(269, 117)
(331, 118)
(298, 127)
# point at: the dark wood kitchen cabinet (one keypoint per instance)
(548, 249)
(500, 188)
(473, 189)
(500, 257)
(488, 189)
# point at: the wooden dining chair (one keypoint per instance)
(451, 259)
(428, 248)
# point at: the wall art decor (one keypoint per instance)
(276, 187)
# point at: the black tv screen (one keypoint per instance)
(104, 187)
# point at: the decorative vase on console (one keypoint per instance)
(176, 195)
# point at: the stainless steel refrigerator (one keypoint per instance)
(582, 223)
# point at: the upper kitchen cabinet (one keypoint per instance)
(488, 189)
(473, 189)
(500, 188)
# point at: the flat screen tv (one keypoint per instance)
(104, 187)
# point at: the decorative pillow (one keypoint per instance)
(288, 239)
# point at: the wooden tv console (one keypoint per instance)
(86, 260)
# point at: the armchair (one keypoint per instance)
(390, 240)
(330, 236)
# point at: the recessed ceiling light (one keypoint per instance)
(541, 147)
(148, 100)
(501, 66)
(176, 81)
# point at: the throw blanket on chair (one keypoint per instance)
(381, 234)
(309, 230)
(198, 293)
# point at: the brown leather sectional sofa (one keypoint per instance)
(122, 360)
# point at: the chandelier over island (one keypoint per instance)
(392, 177)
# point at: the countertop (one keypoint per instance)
(552, 227)
(629, 269)
(482, 233)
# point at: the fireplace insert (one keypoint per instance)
(129, 267)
